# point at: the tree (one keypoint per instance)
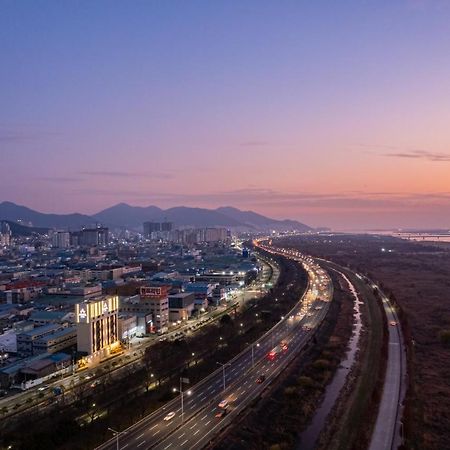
(444, 337)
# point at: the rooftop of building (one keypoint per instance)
(58, 334)
(39, 330)
(48, 315)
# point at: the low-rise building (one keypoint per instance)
(181, 306)
(127, 326)
(48, 338)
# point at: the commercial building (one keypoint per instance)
(181, 306)
(46, 339)
(156, 297)
(152, 303)
(127, 326)
(97, 325)
(31, 368)
(54, 342)
(202, 292)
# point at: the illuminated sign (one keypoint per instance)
(105, 307)
(82, 314)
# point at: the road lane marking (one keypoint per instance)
(196, 432)
(204, 417)
(184, 442)
(181, 435)
(207, 423)
(193, 426)
(167, 446)
(139, 436)
(154, 426)
(143, 442)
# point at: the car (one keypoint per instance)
(95, 383)
(169, 416)
(261, 379)
(393, 323)
(223, 404)
(43, 387)
(221, 414)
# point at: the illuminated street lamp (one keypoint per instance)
(182, 380)
(253, 353)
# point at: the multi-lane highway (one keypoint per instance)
(236, 382)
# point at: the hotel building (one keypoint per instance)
(97, 325)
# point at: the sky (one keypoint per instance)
(334, 113)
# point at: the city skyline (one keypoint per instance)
(330, 114)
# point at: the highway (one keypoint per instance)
(198, 424)
(387, 431)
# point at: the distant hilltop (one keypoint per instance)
(123, 215)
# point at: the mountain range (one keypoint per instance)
(123, 215)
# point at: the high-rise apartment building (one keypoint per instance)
(166, 226)
(93, 236)
(5, 233)
(61, 239)
(151, 227)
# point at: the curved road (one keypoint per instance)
(198, 424)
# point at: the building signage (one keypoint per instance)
(82, 314)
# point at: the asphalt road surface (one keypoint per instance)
(386, 434)
(198, 424)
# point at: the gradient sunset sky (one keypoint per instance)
(335, 113)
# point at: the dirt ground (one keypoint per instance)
(417, 277)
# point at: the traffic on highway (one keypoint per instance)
(200, 412)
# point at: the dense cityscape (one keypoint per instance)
(224, 225)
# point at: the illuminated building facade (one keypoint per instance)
(97, 325)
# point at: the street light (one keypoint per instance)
(223, 371)
(253, 353)
(117, 434)
(182, 380)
